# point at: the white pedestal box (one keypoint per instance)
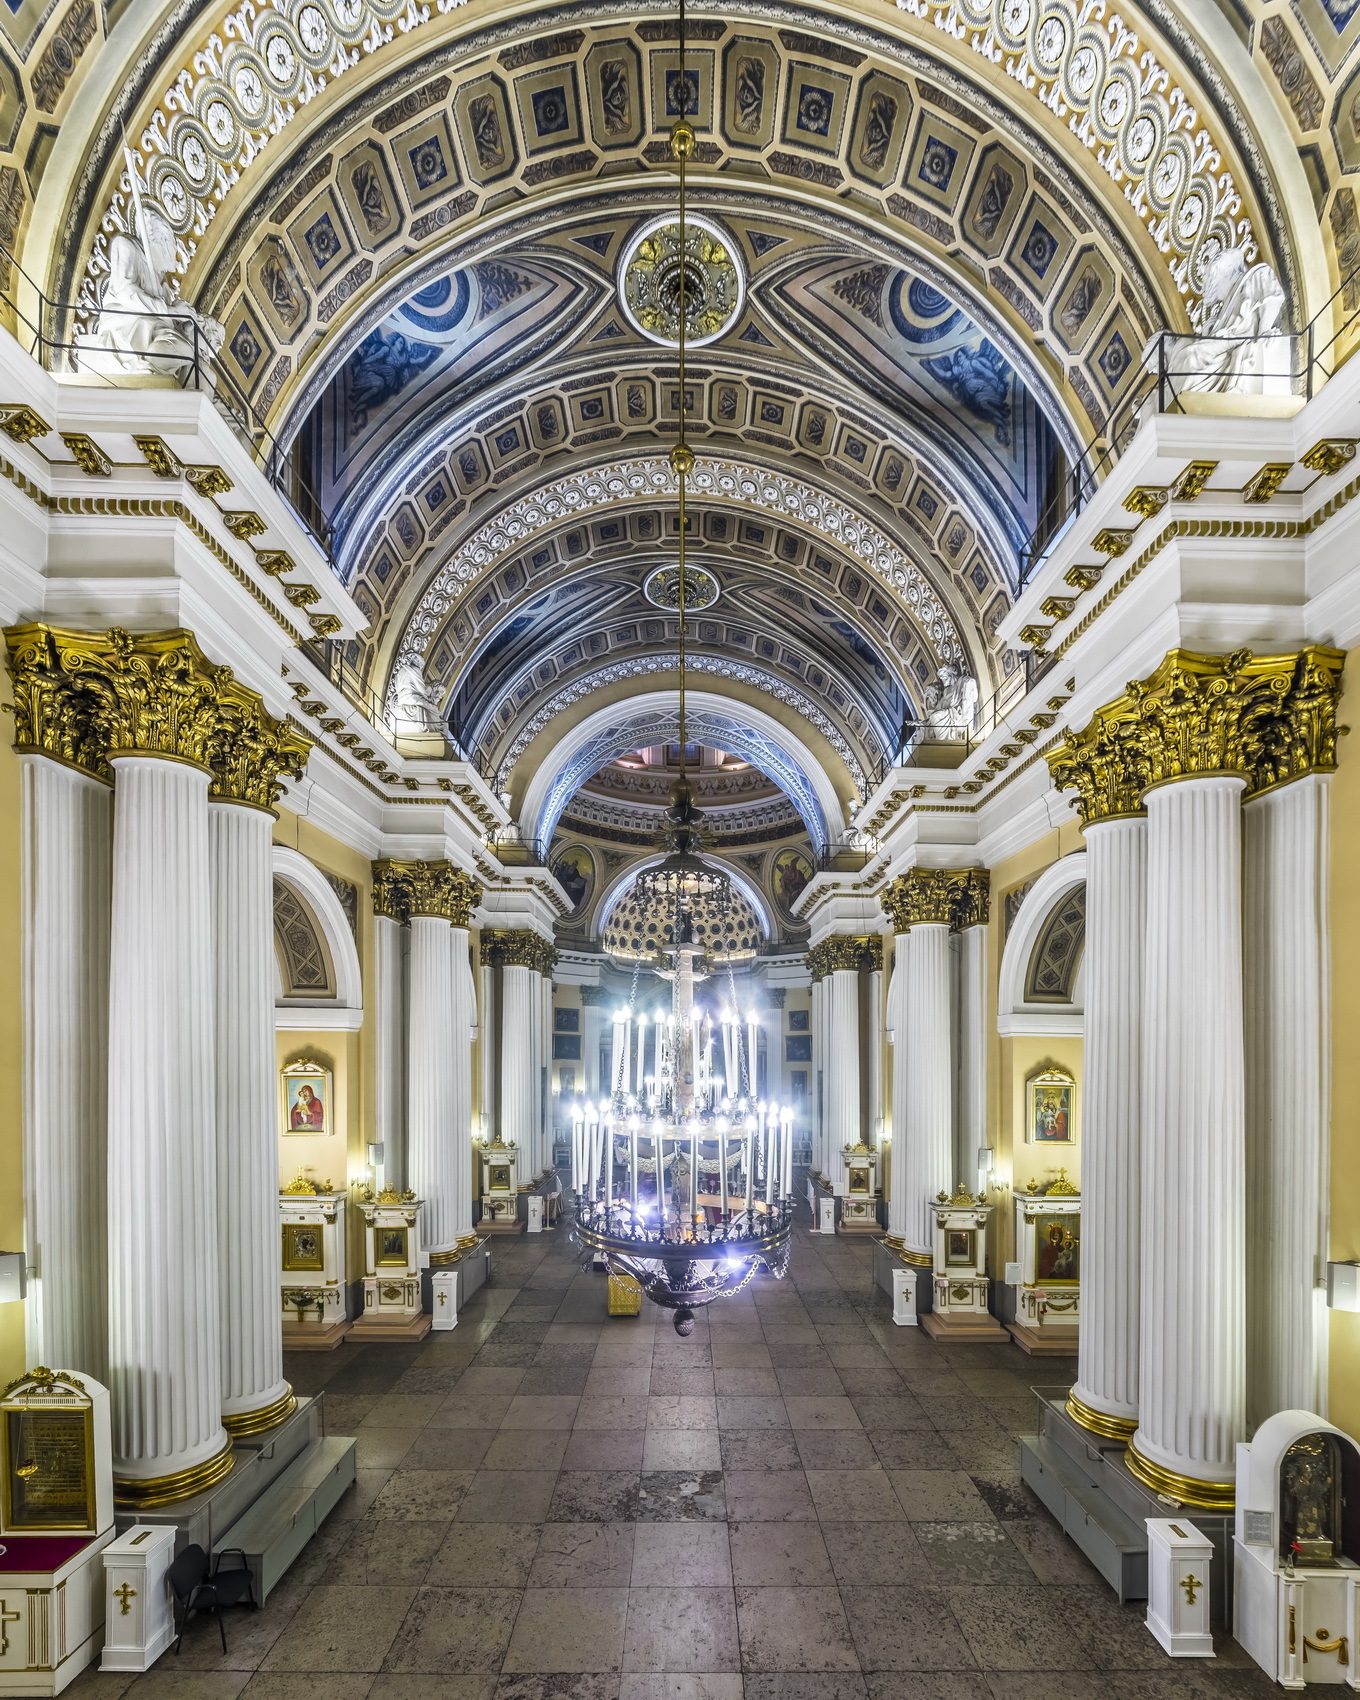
(444, 1284)
(535, 1213)
(312, 1294)
(960, 1290)
(1178, 1588)
(826, 1214)
(139, 1617)
(1296, 1559)
(904, 1298)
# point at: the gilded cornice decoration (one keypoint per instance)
(436, 890)
(942, 897)
(844, 953)
(1269, 718)
(518, 947)
(85, 697)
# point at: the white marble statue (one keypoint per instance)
(951, 705)
(415, 707)
(1239, 350)
(144, 324)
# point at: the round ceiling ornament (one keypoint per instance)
(662, 589)
(651, 273)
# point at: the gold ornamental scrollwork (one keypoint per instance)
(86, 697)
(1269, 718)
(517, 947)
(438, 890)
(957, 898)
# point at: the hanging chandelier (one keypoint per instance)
(683, 1176)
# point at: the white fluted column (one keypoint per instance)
(1287, 1102)
(592, 1032)
(844, 1126)
(519, 1073)
(254, 1392)
(389, 1004)
(488, 1022)
(66, 825)
(970, 1132)
(431, 1081)
(923, 1155)
(1191, 1394)
(1105, 1397)
(818, 1082)
(464, 1025)
(545, 1050)
(874, 1113)
(165, 1300)
(897, 1027)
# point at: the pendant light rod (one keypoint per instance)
(682, 460)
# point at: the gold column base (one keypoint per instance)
(163, 1490)
(468, 1242)
(1111, 1428)
(894, 1242)
(442, 1259)
(1188, 1490)
(917, 1259)
(253, 1422)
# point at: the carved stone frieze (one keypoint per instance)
(438, 890)
(1270, 718)
(85, 697)
(941, 897)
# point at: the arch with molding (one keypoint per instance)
(710, 719)
(1017, 1013)
(343, 1011)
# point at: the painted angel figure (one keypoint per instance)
(1239, 346)
(145, 325)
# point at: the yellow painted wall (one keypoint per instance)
(341, 1157)
(11, 1054)
(1010, 1061)
(1344, 1326)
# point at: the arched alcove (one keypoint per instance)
(317, 980)
(1040, 989)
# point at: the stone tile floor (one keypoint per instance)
(798, 1502)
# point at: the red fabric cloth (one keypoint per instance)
(39, 1552)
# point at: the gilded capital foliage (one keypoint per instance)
(433, 889)
(941, 897)
(518, 947)
(1269, 718)
(85, 697)
(843, 953)
(251, 751)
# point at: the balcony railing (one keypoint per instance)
(46, 332)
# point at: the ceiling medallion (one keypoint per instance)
(662, 589)
(650, 281)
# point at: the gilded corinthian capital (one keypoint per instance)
(1269, 718)
(437, 890)
(941, 897)
(844, 953)
(85, 697)
(518, 947)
